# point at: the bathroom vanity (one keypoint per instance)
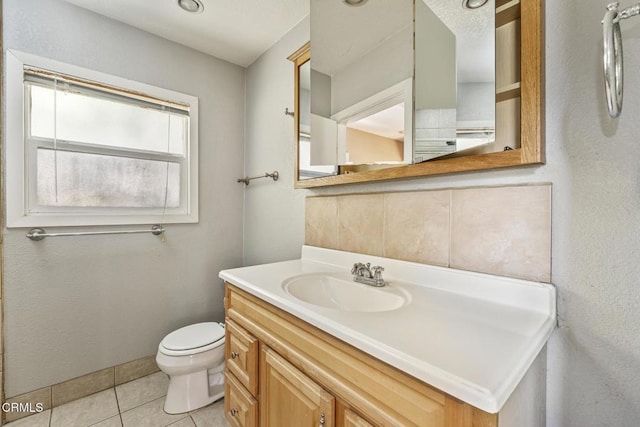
(305, 346)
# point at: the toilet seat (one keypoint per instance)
(193, 339)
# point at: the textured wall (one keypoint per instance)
(76, 305)
(593, 163)
(274, 212)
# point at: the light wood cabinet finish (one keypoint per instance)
(288, 398)
(361, 383)
(240, 407)
(351, 419)
(241, 354)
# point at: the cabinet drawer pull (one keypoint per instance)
(233, 412)
(234, 355)
(322, 419)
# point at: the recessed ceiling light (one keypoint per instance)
(191, 6)
(354, 2)
(473, 4)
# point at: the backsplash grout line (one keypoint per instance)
(488, 229)
(450, 227)
(384, 224)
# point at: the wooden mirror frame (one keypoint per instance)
(519, 54)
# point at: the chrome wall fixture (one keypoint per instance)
(274, 175)
(612, 54)
(37, 234)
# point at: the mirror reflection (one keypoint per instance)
(310, 165)
(361, 84)
(361, 73)
(454, 78)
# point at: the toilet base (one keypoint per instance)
(190, 392)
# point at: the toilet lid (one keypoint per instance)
(193, 336)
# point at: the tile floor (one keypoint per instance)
(134, 404)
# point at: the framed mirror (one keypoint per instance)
(502, 127)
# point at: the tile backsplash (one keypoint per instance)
(499, 230)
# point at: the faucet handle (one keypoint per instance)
(377, 273)
(356, 267)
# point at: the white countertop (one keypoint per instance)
(468, 334)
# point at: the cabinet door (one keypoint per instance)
(241, 353)
(351, 419)
(288, 398)
(241, 409)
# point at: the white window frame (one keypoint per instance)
(17, 146)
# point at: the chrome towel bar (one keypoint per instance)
(37, 234)
(275, 175)
(612, 55)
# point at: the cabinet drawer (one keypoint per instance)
(241, 353)
(241, 409)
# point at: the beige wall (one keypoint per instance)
(367, 148)
(498, 230)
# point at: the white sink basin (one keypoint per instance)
(338, 291)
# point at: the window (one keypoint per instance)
(94, 149)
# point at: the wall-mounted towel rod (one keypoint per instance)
(275, 175)
(37, 234)
(612, 54)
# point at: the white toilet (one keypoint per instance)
(193, 357)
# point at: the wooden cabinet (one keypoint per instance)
(239, 405)
(351, 419)
(288, 398)
(241, 354)
(304, 373)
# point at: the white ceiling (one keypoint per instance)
(475, 37)
(238, 31)
(341, 35)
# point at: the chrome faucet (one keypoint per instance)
(364, 273)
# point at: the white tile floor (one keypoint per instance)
(135, 404)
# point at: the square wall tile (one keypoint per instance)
(42, 396)
(82, 386)
(321, 222)
(504, 231)
(416, 226)
(136, 369)
(360, 223)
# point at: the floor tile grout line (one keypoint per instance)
(118, 406)
(117, 402)
(142, 404)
